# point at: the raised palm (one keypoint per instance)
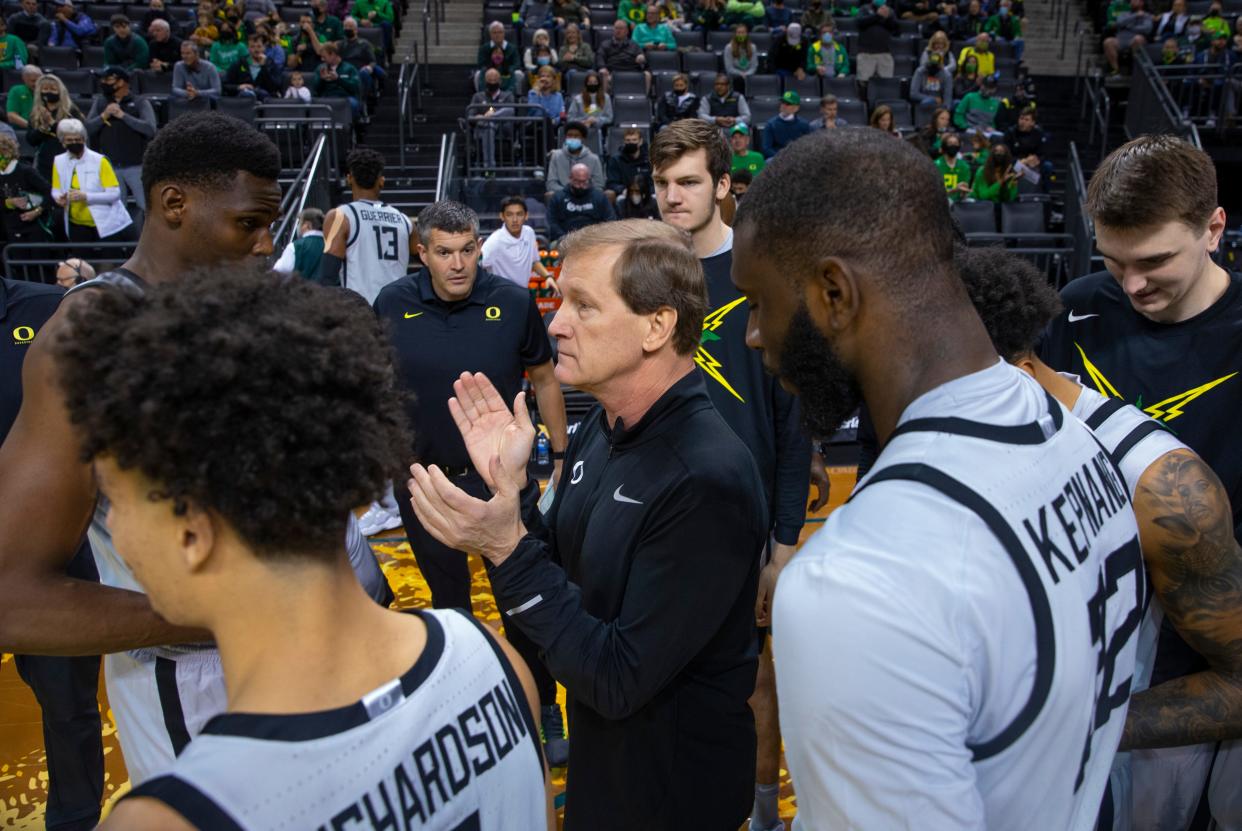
(491, 430)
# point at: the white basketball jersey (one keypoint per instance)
(450, 745)
(377, 249)
(954, 648)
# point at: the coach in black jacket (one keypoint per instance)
(639, 583)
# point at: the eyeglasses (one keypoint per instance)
(75, 267)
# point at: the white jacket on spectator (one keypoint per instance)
(103, 200)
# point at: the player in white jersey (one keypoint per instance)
(954, 648)
(1194, 562)
(367, 243)
(228, 500)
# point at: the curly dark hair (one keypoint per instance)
(1010, 294)
(365, 165)
(269, 400)
(208, 150)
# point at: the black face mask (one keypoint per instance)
(351, 34)
(579, 192)
(951, 150)
(107, 89)
(592, 88)
(51, 99)
(75, 149)
(493, 87)
(631, 149)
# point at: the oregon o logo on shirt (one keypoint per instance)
(23, 334)
(492, 313)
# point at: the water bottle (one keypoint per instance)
(543, 450)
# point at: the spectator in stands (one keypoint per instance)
(778, 18)
(996, 180)
(750, 12)
(621, 53)
(124, 47)
(788, 56)
(566, 12)
(882, 120)
(228, 50)
(709, 15)
(828, 118)
(671, 14)
(206, 33)
(932, 83)
(875, 42)
(981, 51)
(1214, 23)
(499, 102)
(499, 54)
(970, 24)
(27, 197)
(678, 102)
(739, 183)
(741, 58)
(375, 13)
(254, 76)
(1023, 98)
(20, 99)
(1133, 29)
(1173, 22)
(931, 135)
(939, 45)
(814, 16)
(957, 172)
(825, 57)
(638, 202)
(547, 96)
(86, 186)
(1171, 54)
(306, 46)
(976, 112)
(193, 77)
(155, 11)
(652, 35)
(360, 54)
(917, 10)
(592, 106)
(52, 105)
(575, 53)
(12, 50)
(33, 28)
(512, 251)
(328, 27)
(73, 272)
(1006, 27)
(297, 89)
(628, 163)
(337, 79)
(575, 152)
(633, 12)
(1216, 60)
(967, 79)
(120, 126)
(164, 49)
(1028, 143)
(539, 53)
(1193, 39)
(744, 159)
(579, 204)
(786, 126)
(70, 27)
(725, 107)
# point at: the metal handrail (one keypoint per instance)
(448, 164)
(40, 267)
(1146, 83)
(298, 191)
(408, 80)
(1077, 221)
(1100, 106)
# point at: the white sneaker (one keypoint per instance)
(373, 521)
(392, 519)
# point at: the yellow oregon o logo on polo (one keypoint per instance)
(492, 313)
(23, 334)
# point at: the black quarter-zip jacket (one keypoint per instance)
(639, 588)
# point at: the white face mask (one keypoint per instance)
(636, 198)
(787, 116)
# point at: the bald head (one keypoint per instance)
(580, 177)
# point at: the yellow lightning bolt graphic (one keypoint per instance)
(1171, 408)
(704, 358)
(1097, 377)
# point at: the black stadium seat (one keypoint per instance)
(1018, 218)
(52, 58)
(976, 217)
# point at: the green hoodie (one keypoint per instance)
(974, 110)
(382, 9)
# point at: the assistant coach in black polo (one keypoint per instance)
(447, 318)
(66, 688)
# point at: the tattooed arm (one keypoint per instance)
(1186, 529)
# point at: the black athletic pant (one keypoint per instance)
(447, 573)
(67, 690)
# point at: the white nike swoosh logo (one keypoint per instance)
(617, 496)
(1073, 318)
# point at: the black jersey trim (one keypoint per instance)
(1030, 433)
(515, 683)
(117, 278)
(1105, 412)
(357, 226)
(1133, 438)
(1041, 610)
(170, 703)
(304, 727)
(198, 808)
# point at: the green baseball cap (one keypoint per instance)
(792, 97)
(740, 128)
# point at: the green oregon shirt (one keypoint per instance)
(959, 174)
(20, 101)
(750, 160)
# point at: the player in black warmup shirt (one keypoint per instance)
(1162, 329)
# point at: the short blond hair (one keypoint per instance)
(657, 268)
